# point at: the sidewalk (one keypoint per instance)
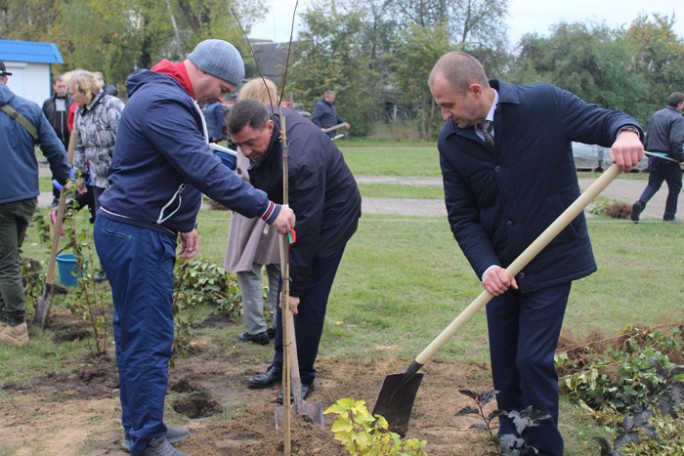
(625, 190)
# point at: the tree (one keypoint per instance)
(591, 61)
(330, 56)
(658, 57)
(117, 37)
(417, 53)
(29, 20)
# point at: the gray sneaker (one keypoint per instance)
(161, 447)
(173, 435)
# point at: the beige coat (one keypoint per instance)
(250, 240)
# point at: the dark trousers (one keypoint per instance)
(310, 318)
(660, 170)
(523, 335)
(139, 265)
(15, 218)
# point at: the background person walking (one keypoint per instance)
(324, 114)
(665, 134)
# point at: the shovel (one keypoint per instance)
(398, 391)
(313, 409)
(44, 302)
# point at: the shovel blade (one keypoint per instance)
(396, 398)
(313, 409)
(42, 310)
(279, 414)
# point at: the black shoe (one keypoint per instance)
(306, 390)
(636, 211)
(55, 202)
(100, 277)
(261, 338)
(271, 333)
(272, 376)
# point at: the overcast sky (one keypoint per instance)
(525, 16)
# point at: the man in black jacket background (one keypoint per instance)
(666, 135)
(56, 109)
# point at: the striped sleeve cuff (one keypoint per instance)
(271, 212)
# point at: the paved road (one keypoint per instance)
(625, 190)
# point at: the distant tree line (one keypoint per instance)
(376, 54)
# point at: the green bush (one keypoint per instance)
(363, 434)
(197, 284)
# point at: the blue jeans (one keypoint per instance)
(523, 334)
(139, 265)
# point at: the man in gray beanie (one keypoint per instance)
(219, 58)
(161, 166)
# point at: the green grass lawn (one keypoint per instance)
(403, 279)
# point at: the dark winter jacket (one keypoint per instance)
(322, 193)
(58, 118)
(325, 116)
(19, 170)
(499, 203)
(162, 160)
(666, 133)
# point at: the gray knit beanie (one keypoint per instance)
(219, 58)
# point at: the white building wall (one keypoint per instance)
(30, 80)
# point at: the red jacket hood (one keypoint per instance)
(176, 71)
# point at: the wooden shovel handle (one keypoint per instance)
(295, 379)
(523, 260)
(50, 277)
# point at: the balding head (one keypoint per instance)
(460, 69)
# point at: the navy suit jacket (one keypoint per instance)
(498, 203)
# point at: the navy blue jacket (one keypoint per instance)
(19, 170)
(322, 192)
(325, 116)
(214, 115)
(499, 203)
(162, 161)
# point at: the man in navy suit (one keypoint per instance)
(506, 159)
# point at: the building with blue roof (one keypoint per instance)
(30, 63)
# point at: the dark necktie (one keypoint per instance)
(486, 127)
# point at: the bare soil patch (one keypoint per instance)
(77, 413)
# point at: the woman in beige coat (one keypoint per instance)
(252, 245)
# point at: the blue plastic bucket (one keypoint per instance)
(66, 262)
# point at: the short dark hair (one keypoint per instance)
(675, 99)
(247, 112)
